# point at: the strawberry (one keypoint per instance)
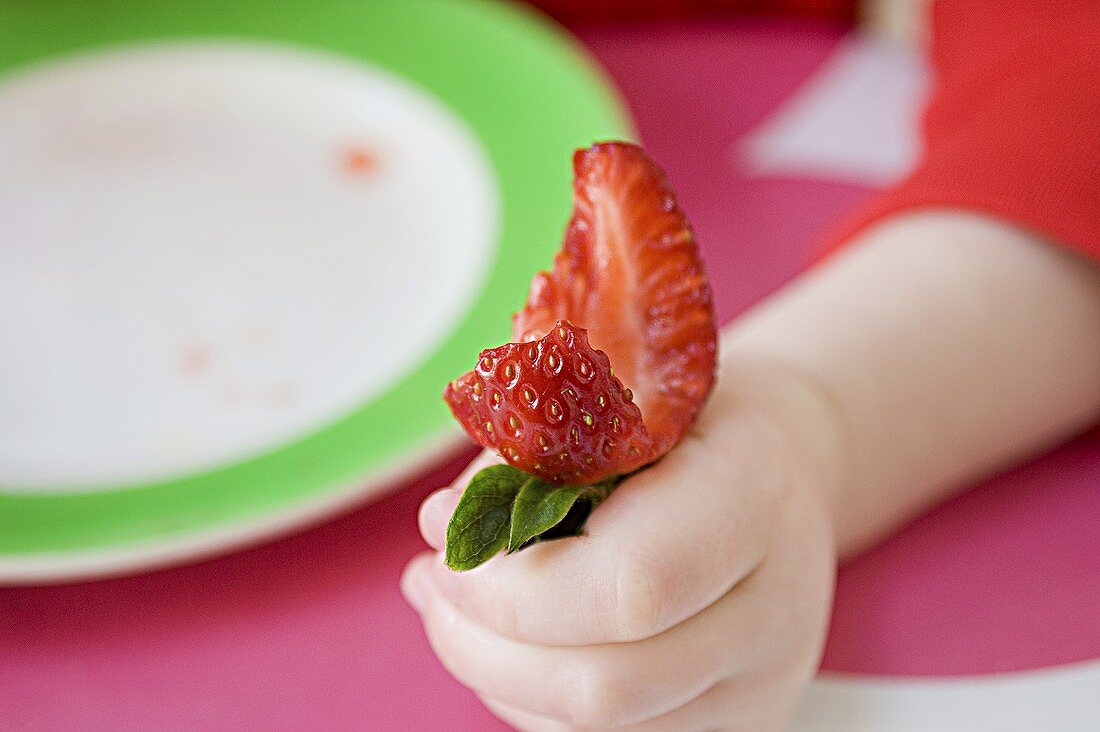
(553, 408)
(630, 274)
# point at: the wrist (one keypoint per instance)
(803, 411)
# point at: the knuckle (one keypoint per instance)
(603, 699)
(497, 607)
(643, 586)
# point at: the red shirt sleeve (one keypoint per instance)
(1013, 128)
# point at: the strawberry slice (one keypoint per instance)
(630, 274)
(552, 408)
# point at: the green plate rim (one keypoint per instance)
(464, 52)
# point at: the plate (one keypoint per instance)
(243, 248)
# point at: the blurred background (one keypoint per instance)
(243, 246)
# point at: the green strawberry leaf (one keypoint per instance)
(479, 527)
(506, 508)
(539, 507)
(543, 511)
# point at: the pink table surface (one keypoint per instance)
(311, 632)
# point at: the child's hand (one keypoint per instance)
(940, 346)
(698, 598)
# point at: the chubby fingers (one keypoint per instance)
(591, 686)
(732, 706)
(738, 664)
(715, 709)
(667, 543)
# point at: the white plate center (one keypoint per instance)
(207, 250)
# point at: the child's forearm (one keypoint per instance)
(938, 348)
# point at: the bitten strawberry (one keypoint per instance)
(630, 273)
(553, 408)
(630, 279)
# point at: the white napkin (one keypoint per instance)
(856, 120)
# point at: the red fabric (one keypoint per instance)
(1013, 128)
(589, 10)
